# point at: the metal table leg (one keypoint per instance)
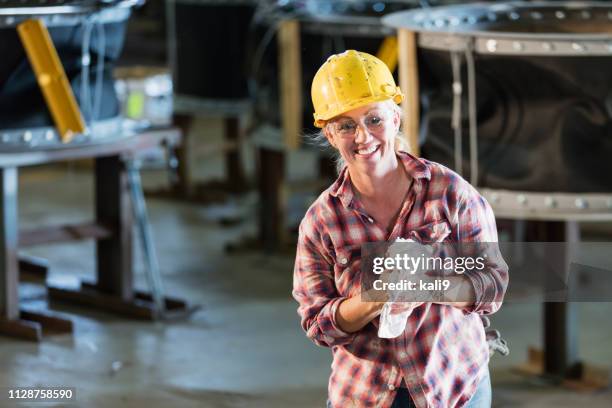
(560, 319)
(236, 179)
(13, 321)
(145, 234)
(114, 290)
(114, 254)
(184, 122)
(9, 271)
(272, 201)
(559, 358)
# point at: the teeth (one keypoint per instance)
(368, 150)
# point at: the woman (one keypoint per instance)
(381, 194)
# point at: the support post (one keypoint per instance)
(236, 179)
(409, 84)
(272, 200)
(559, 357)
(184, 123)
(114, 255)
(291, 82)
(561, 319)
(9, 267)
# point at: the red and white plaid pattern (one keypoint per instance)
(442, 354)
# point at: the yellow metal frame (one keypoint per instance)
(388, 53)
(51, 78)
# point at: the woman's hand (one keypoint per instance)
(354, 313)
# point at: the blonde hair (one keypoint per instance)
(319, 139)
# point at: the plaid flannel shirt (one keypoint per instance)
(442, 354)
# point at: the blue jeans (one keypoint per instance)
(480, 399)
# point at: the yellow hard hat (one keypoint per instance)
(349, 80)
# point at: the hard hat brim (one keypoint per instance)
(321, 120)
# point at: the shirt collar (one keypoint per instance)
(343, 188)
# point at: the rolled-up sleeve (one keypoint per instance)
(315, 291)
(476, 223)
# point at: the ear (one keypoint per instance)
(397, 119)
(329, 136)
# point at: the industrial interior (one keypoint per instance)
(157, 159)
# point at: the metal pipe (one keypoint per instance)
(152, 272)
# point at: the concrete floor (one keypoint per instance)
(244, 348)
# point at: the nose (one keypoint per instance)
(362, 136)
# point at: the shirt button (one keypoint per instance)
(371, 220)
(343, 261)
(403, 354)
(391, 387)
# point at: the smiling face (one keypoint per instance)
(365, 138)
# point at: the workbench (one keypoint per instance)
(112, 230)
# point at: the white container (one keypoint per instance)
(145, 94)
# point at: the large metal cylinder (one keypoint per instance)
(88, 36)
(207, 49)
(542, 107)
